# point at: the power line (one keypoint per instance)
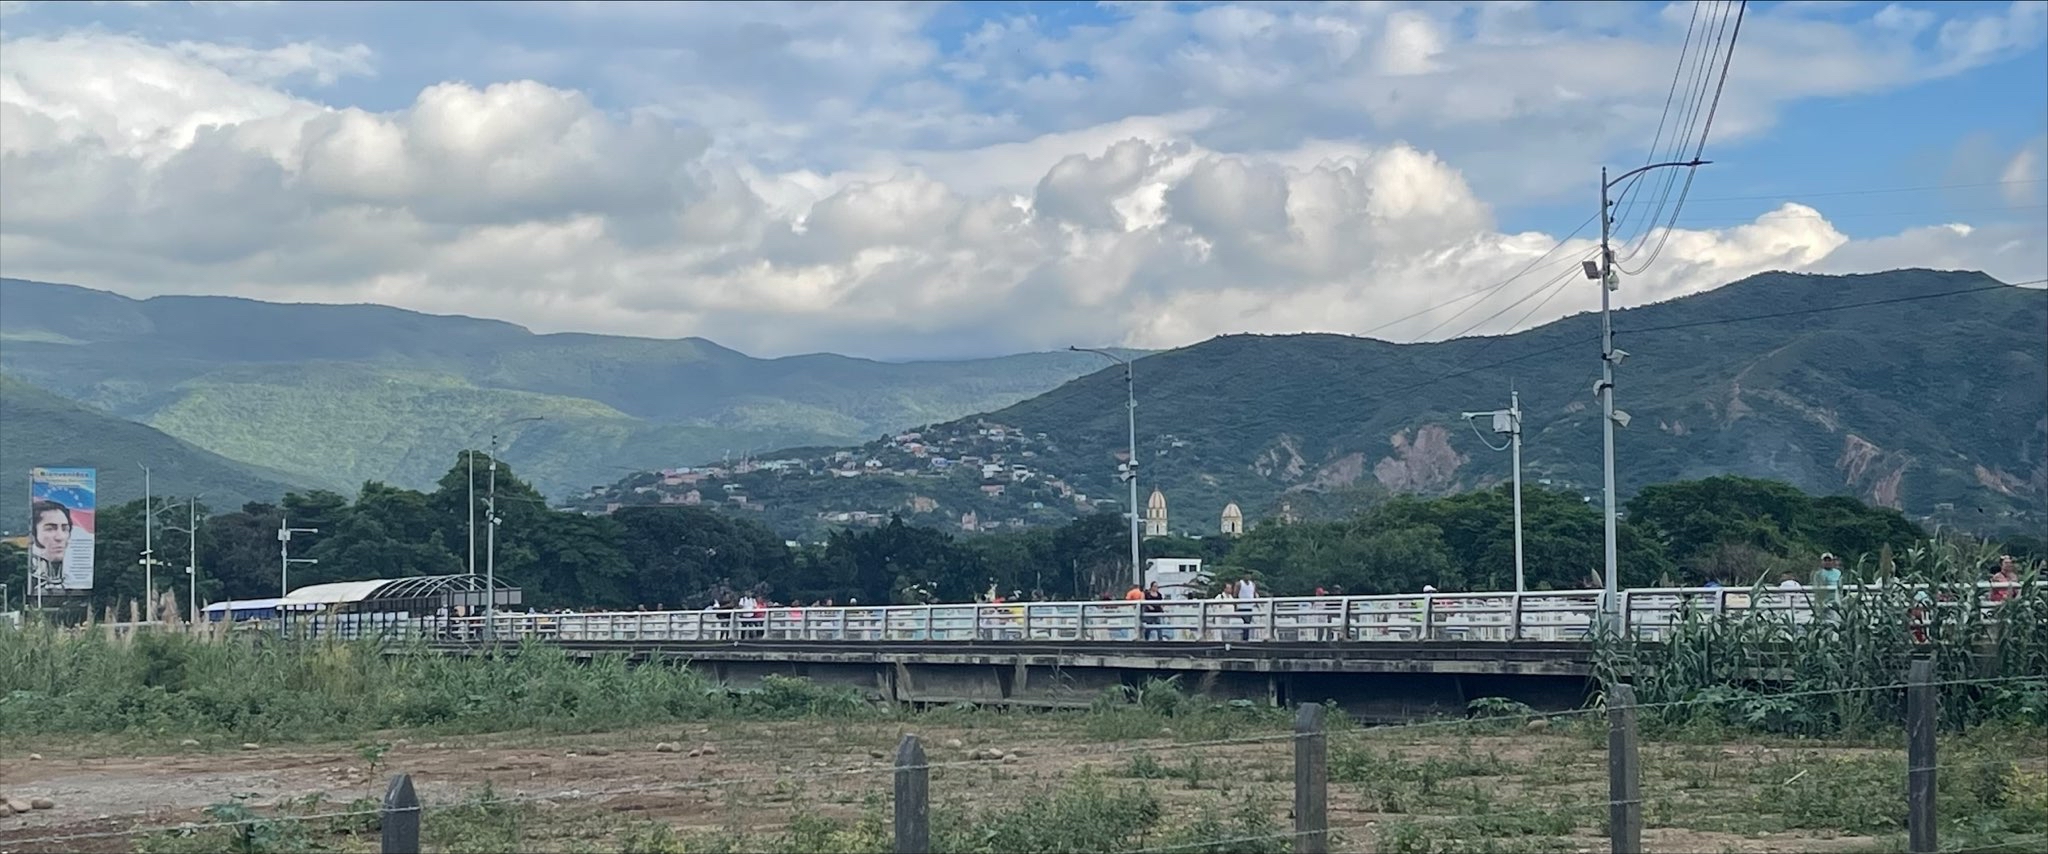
(1851, 214)
(1670, 94)
(1726, 62)
(1576, 342)
(1468, 330)
(1698, 80)
(1928, 187)
(1825, 309)
(1489, 288)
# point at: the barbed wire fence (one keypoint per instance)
(401, 814)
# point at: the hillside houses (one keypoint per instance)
(990, 473)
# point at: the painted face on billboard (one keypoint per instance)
(52, 532)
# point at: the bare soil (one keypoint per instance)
(756, 776)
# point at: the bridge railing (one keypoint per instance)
(1652, 613)
(1548, 616)
(1570, 615)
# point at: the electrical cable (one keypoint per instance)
(1713, 108)
(1489, 288)
(1670, 94)
(1824, 309)
(1697, 82)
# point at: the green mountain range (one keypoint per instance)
(333, 395)
(38, 428)
(1916, 389)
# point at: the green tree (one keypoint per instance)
(388, 533)
(680, 555)
(1738, 529)
(240, 555)
(578, 560)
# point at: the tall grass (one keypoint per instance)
(265, 689)
(1837, 675)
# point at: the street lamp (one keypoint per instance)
(149, 560)
(1609, 358)
(191, 532)
(491, 540)
(1128, 472)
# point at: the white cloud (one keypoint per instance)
(189, 167)
(2023, 175)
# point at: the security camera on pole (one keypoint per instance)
(1603, 272)
(284, 555)
(1509, 422)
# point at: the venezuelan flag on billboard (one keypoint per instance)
(62, 502)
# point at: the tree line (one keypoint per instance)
(1733, 530)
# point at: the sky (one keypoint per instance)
(933, 180)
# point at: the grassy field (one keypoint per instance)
(1128, 779)
(167, 743)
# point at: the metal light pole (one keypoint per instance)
(191, 532)
(491, 549)
(1128, 473)
(148, 550)
(469, 461)
(491, 536)
(1609, 358)
(1509, 421)
(192, 556)
(284, 554)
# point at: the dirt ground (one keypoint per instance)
(756, 776)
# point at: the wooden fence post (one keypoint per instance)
(1624, 773)
(400, 817)
(1920, 707)
(1311, 782)
(913, 798)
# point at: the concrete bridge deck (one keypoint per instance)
(1379, 680)
(1379, 656)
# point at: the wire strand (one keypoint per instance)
(1824, 309)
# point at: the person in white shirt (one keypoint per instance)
(1247, 589)
(1228, 593)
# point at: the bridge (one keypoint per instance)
(1382, 657)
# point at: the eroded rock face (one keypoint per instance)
(1336, 474)
(1426, 462)
(1282, 461)
(1876, 474)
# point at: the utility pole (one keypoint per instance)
(1610, 357)
(284, 555)
(148, 550)
(191, 532)
(469, 457)
(491, 537)
(1128, 472)
(192, 556)
(491, 549)
(1509, 421)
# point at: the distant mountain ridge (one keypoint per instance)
(1893, 387)
(38, 428)
(338, 394)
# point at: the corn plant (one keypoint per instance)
(1841, 672)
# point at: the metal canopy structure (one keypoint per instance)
(423, 594)
(428, 593)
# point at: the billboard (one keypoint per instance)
(61, 501)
